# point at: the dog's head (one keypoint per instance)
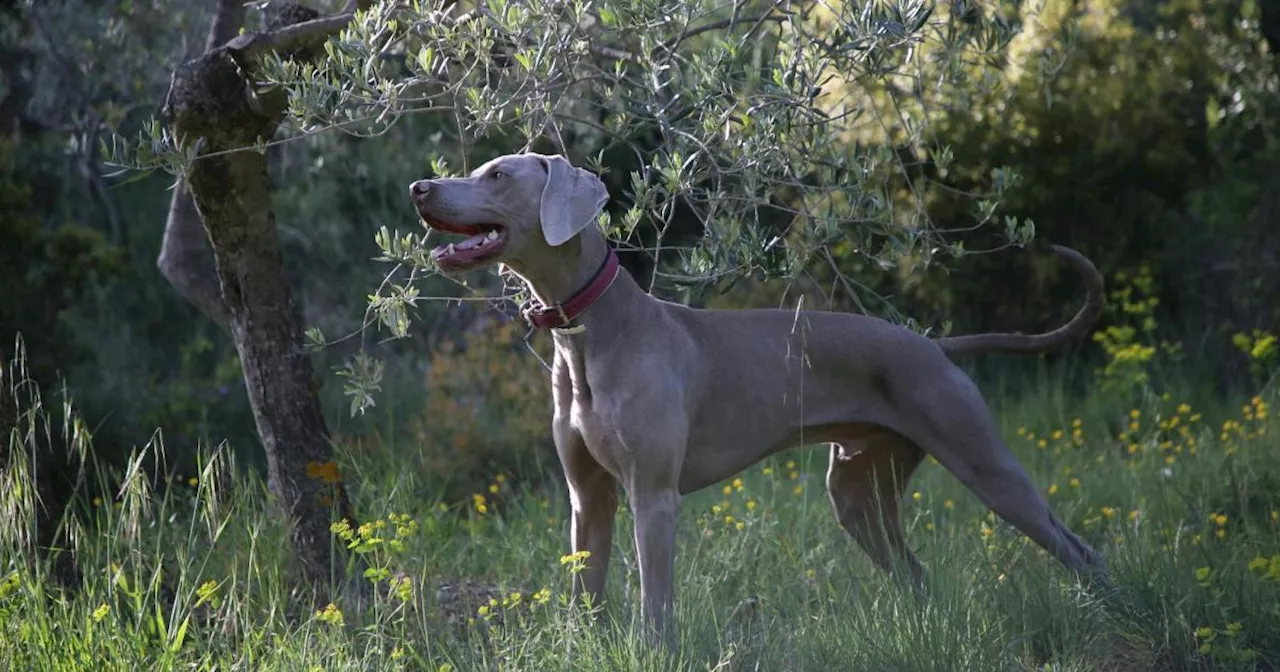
(511, 208)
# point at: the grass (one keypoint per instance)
(194, 572)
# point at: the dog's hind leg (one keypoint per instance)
(866, 488)
(949, 419)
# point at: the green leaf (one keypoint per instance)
(181, 635)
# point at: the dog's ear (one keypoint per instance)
(571, 200)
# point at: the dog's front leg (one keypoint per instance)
(655, 521)
(593, 500)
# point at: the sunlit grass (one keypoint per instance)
(195, 572)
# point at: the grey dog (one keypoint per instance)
(664, 399)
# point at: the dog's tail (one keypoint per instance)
(961, 346)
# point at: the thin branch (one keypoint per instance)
(757, 21)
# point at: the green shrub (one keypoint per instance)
(45, 271)
(484, 422)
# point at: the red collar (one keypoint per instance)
(562, 315)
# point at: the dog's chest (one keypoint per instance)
(580, 400)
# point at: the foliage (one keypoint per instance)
(953, 128)
(719, 103)
(1130, 163)
(736, 124)
(486, 411)
(45, 272)
(1129, 339)
(1261, 349)
(79, 71)
(952, 124)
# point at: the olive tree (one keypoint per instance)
(780, 128)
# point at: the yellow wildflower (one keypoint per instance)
(574, 557)
(331, 615)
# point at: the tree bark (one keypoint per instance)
(212, 106)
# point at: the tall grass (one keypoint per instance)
(194, 572)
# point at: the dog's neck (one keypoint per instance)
(569, 271)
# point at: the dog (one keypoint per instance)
(664, 400)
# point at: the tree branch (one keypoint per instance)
(227, 19)
(292, 38)
(185, 258)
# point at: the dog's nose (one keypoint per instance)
(420, 188)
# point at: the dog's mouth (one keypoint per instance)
(483, 244)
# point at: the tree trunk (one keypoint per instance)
(212, 106)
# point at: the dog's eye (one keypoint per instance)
(497, 174)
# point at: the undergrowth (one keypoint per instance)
(1179, 489)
